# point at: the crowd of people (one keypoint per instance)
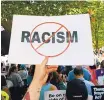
(76, 80)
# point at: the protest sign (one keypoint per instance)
(97, 92)
(100, 76)
(66, 40)
(59, 95)
(55, 95)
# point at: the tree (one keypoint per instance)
(55, 8)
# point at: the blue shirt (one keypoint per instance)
(29, 79)
(44, 88)
(88, 85)
(86, 73)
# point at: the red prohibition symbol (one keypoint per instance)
(61, 26)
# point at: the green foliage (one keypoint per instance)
(55, 8)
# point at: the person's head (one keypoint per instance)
(93, 67)
(59, 70)
(50, 76)
(54, 78)
(78, 72)
(68, 69)
(57, 78)
(76, 90)
(102, 64)
(22, 67)
(32, 70)
(13, 69)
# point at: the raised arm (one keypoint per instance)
(39, 79)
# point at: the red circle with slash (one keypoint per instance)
(61, 26)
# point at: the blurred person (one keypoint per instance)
(47, 86)
(61, 82)
(86, 74)
(76, 90)
(16, 90)
(92, 70)
(57, 80)
(18, 66)
(23, 73)
(68, 69)
(4, 88)
(30, 74)
(4, 95)
(60, 69)
(100, 74)
(102, 64)
(78, 72)
(15, 77)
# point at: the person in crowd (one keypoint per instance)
(23, 73)
(92, 70)
(18, 66)
(39, 79)
(61, 82)
(86, 74)
(58, 81)
(100, 74)
(30, 74)
(60, 69)
(102, 64)
(68, 69)
(76, 90)
(47, 86)
(15, 77)
(54, 79)
(4, 95)
(78, 72)
(7, 68)
(4, 88)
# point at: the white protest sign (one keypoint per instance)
(97, 92)
(59, 95)
(66, 40)
(55, 95)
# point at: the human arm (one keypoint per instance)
(39, 78)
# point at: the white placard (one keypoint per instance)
(73, 29)
(59, 95)
(55, 95)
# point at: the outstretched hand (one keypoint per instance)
(42, 70)
(39, 79)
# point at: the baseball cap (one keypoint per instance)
(76, 90)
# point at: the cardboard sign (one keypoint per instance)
(59, 95)
(100, 76)
(66, 40)
(55, 95)
(97, 92)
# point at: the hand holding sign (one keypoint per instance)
(42, 71)
(66, 38)
(39, 79)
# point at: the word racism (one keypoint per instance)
(61, 37)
